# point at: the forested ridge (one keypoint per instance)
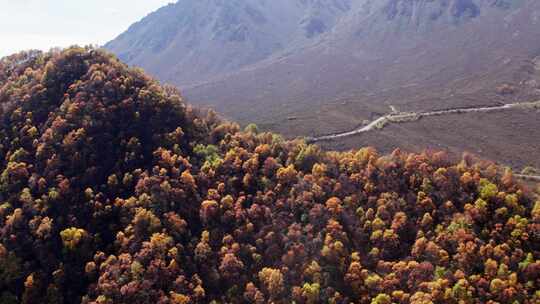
(113, 190)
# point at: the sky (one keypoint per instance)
(42, 24)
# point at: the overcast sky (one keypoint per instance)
(42, 24)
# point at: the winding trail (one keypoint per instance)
(382, 121)
(531, 178)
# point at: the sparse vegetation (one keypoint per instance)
(506, 89)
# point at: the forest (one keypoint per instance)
(114, 190)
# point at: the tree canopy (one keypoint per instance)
(113, 190)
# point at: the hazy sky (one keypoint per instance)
(42, 24)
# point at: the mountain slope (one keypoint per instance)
(374, 56)
(192, 41)
(264, 54)
(374, 63)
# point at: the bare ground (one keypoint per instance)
(510, 138)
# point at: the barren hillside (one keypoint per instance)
(368, 57)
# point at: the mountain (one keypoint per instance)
(364, 59)
(374, 53)
(193, 41)
(114, 190)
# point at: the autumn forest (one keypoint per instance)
(114, 190)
